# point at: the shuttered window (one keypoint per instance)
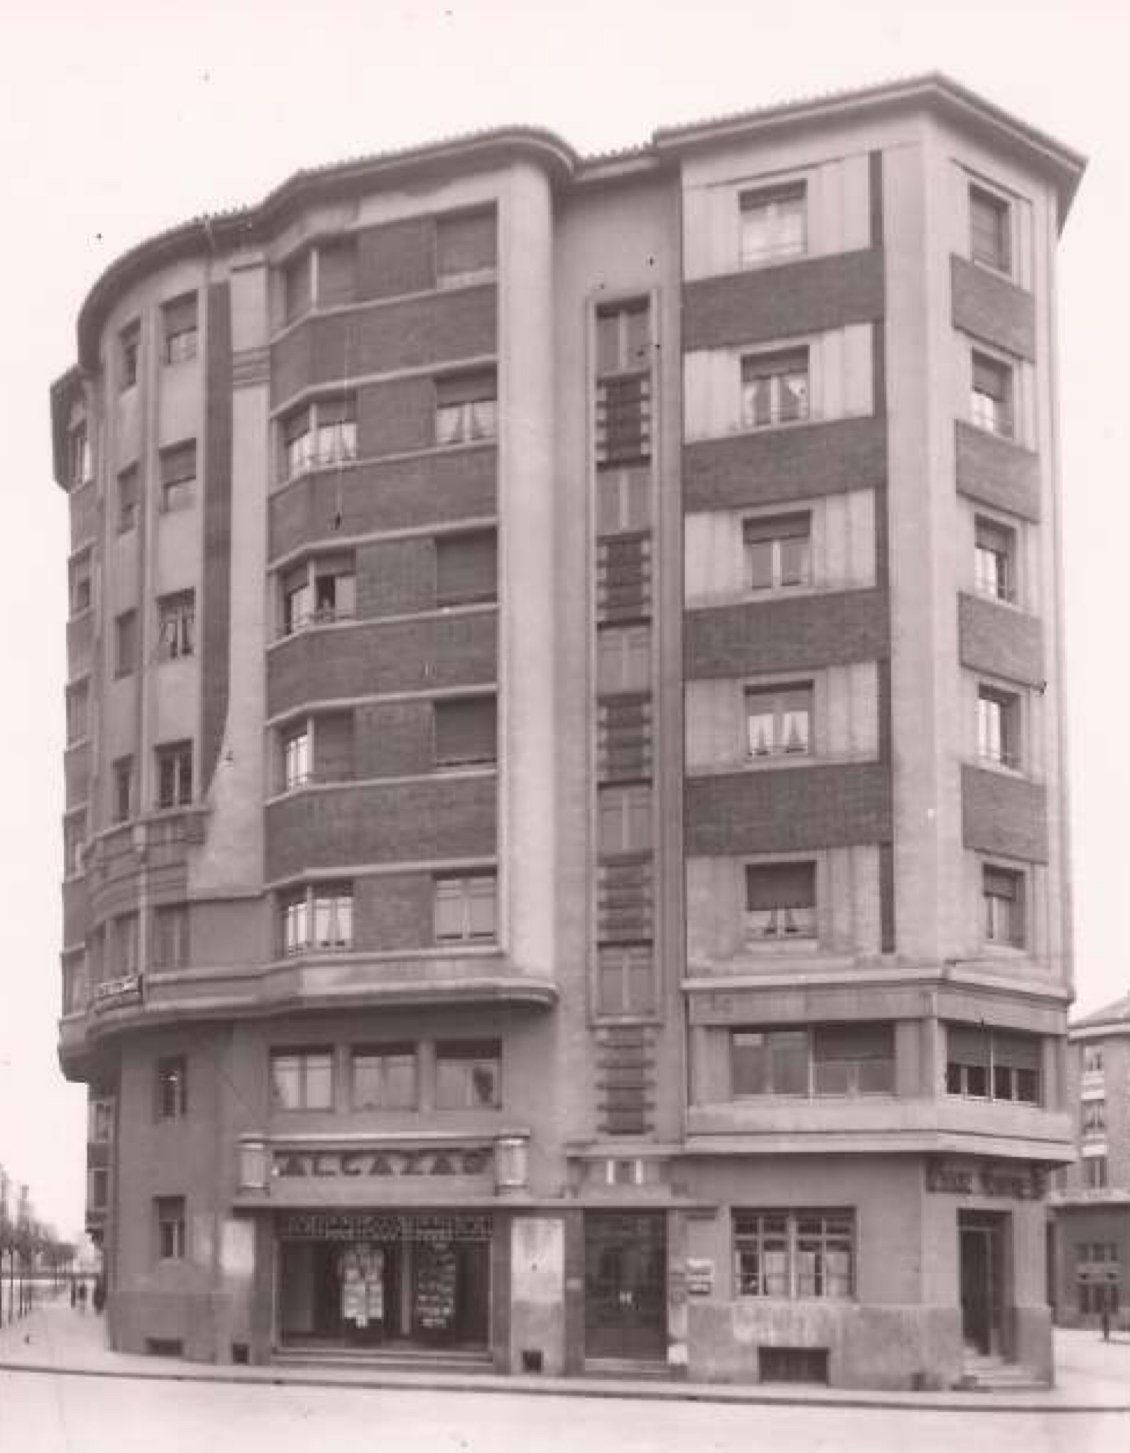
(623, 578)
(467, 567)
(465, 731)
(465, 245)
(781, 900)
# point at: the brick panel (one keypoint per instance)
(1004, 815)
(382, 823)
(765, 303)
(784, 635)
(1000, 641)
(393, 418)
(80, 644)
(415, 333)
(393, 912)
(83, 506)
(371, 659)
(76, 912)
(76, 776)
(396, 576)
(770, 465)
(396, 258)
(788, 811)
(216, 596)
(401, 494)
(992, 308)
(997, 472)
(393, 738)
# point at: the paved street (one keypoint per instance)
(97, 1410)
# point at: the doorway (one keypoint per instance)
(981, 1249)
(626, 1286)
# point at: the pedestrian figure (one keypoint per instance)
(74, 1292)
(98, 1295)
(82, 1296)
(1105, 1320)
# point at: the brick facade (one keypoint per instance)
(1004, 814)
(1000, 640)
(801, 633)
(997, 472)
(993, 309)
(789, 810)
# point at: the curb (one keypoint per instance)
(626, 1392)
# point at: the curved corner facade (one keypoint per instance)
(565, 823)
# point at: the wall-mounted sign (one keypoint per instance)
(355, 1161)
(113, 993)
(700, 1276)
(999, 1179)
(382, 1227)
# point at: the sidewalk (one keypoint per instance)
(1092, 1376)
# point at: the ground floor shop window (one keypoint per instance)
(397, 1280)
(1097, 1277)
(794, 1254)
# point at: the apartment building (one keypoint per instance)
(565, 839)
(1090, 1203)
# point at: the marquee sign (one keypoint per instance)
(362, 1161)
(1000, 1179)
(114, 993)
(383, 1227)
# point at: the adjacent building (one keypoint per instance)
(1091, 1202)
(566, 859)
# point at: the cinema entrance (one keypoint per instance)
(391, 1280)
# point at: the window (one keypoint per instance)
(297, 286)
(336, 264)
(623, 337)
(794, 1254)
(80, 583)
(773, 224)
(317, 918)
(623, 659)
(74, 839)
(178, 328)
(466, 567)
(1095, 1176)
(623, 499)
(775, 388)
(623, 391)
(295, 741)
(74, 983)
(1092, 1059)
(176, 625)
(998, 726)
(466, 731)
(625, 901)
(129, 352)
(78, 712)
(123, 946)
(625, 979)
(779, 720)
(318, 435)
(990, 230)
(623, 819)
(172, 1242)
(98, 1189)
(169, 949)
(172, 1088)
(623, 578)
(80, 461)
(384, 1077)
(128, 490)
(992, 1064)
(468, 1075)
(465, 908)
(991, 401)
(302, 1079)
(100, 1121)
(1093, 1121)
(466, 247)
(1002, 891)
(466, 408)
(178, 475)
(174, 774)
(318, 592)
(994, 559)
(122, 783)
(778, 551)
(125, 643)
(780, 901)
(833, 1059)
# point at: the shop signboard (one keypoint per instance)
(1007, 1180)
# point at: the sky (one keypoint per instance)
(117, 121)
